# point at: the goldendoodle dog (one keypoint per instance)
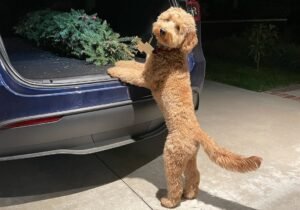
(166, 74)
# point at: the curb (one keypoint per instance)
(283, 93)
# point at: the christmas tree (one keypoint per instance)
(78, 35)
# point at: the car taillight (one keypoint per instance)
(193, 7)
(33, 122)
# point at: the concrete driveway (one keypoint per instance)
(132, 177)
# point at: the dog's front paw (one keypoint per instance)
(114, 72)
(123, 63)
(168, 203)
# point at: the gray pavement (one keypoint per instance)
(132, 177)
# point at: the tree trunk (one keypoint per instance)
(258, 62)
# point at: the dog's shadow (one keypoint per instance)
(209, 199)
(37, 179)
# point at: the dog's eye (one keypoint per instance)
(177, 27)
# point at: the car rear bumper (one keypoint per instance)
(83, 129)
(158, 134)
(88, 131)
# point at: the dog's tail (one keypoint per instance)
(225, 158)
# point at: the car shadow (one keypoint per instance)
(30, 180)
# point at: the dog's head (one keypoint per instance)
(175, 28)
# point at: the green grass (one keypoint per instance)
(245, 76)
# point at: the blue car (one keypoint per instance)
(57, 105)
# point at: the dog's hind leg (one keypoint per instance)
(173, 169)
(175, 160)
(192, 179)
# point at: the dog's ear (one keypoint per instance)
(189, 42)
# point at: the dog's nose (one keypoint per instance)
(162, 32)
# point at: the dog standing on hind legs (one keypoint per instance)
(166, 74)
